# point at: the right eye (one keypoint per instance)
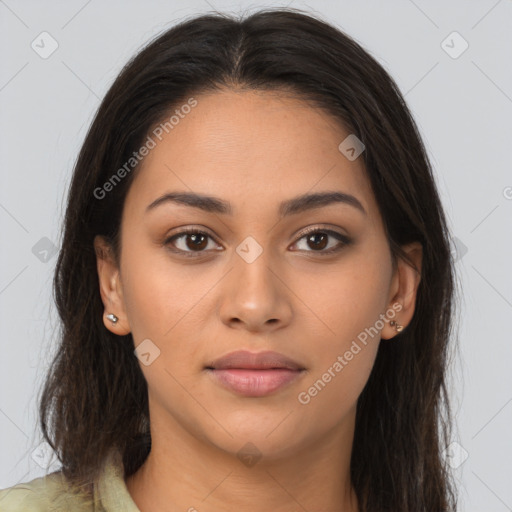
(191, 241)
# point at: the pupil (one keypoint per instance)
(196, 241)
(321, 235)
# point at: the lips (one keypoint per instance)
(244, 359)
(254, 374)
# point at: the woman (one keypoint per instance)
(255, 286)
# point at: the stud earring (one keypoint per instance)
(112, 318)
(397, 327)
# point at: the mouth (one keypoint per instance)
(254, 374)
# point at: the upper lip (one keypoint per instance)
(244, 359)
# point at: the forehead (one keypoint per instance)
(250, 148)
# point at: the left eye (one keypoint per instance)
(319, 237)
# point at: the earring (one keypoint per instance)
(397, 327)
(112, 318)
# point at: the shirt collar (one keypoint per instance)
(112, 491)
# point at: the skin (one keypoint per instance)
(253, 149)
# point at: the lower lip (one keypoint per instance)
(254, 382)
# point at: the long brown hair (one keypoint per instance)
(95, 395)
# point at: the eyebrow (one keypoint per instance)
(289, 207)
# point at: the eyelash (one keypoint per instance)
(345, 240)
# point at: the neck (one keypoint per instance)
(185, 473)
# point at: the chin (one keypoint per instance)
(270, 437)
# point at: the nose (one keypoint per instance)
(254, 294)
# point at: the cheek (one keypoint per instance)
(330, 395)
(349, 303)
(152, 293)
(161, 303)
(347, 300)
(345, 354)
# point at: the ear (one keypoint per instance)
(403, 290)
(110, 287)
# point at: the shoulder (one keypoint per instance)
(47, 493)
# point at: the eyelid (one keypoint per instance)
(343, 239)
(325, 228)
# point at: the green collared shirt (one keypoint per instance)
(52, 493)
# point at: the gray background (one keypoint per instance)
(462, 105)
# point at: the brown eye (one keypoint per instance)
(317, 240)
(197, 241)
(189, 241)
(193, 242)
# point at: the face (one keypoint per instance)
(250, 277)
